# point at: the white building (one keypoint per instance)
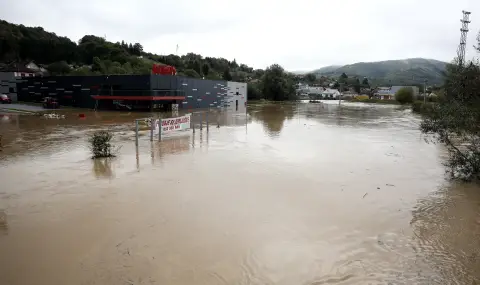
(236, 99)
(388, 93)
(327, 93)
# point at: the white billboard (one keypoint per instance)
(173, 124)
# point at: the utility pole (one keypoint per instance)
(339, 96)
(425, 91)
(463, 37)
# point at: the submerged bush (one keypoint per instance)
(100, 144)
(404, 95)
(421, 107)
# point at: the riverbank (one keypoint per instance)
(20, 108)
(374, 101)
(24, 107)
(421, 107)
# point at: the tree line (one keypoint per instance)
(94, 55)
(454, 121)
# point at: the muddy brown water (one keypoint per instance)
(293, 194)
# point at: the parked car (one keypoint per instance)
(4, 99)
(50, 103)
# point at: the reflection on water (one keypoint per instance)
(3, 222)
(272, 116)
(285, 194)
(102, 167)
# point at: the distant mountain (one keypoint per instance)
(327, 69)
(395, 72)
(300, 72)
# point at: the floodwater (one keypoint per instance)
(292, 194)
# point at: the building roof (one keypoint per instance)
(389, 90)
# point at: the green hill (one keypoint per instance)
(394, 72)
(96, 55)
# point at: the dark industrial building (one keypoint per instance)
(134, 92)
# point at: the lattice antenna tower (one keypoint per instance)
(463, 37)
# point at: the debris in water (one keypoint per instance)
(365, 195)
(54, 116)
(391, 185)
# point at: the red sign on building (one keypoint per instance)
(163, 69)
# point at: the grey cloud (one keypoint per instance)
(299, 34)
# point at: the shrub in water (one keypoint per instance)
(100, 144)
(404, 95)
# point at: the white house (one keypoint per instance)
(388, 93)
(331, 93)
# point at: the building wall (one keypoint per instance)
(77, 90)
(236, 98)
(198, 93)
(8, 85)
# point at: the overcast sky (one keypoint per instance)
(298, 34)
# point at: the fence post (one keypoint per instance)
(159, 129)
(192, 123)
(136, 132)
(207, 118)
(152, 126)
(201, 121)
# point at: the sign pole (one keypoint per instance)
(159, 129)
(136, 132)
(152, 126)
(192, 124)
(207, 117)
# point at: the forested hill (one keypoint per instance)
(396, 72)
(95, 55)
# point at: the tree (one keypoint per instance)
(206, 69)
(137, 49)
(226, 75)
(234, 64)
(98, 65)
(356, 86)
(277, 84)
(192, 73)
(96, 56)
(59, 68)
(365, 82)
(404, 95)
(253, 91)
(310, 77)
(343, 78)
(197, 66)
(455, 120)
